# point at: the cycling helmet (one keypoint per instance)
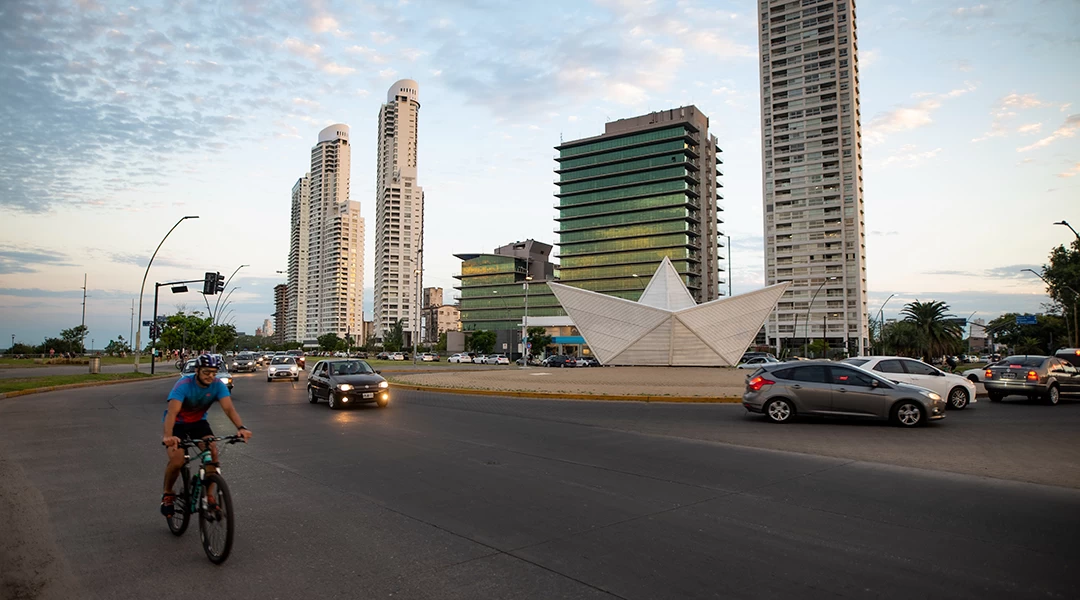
(207, 361)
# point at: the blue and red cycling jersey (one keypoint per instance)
(196, 399)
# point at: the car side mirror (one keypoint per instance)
(874, 383)
(377, 371)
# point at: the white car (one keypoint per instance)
(757, 361)
(957, 391)
(459, 358)
(429, 357)
(496, 359)
(978, 374)
(397, 356)
(283, 367)
(479, 359)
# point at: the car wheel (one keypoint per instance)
(908, 413)
(958, 398)
(994, 397)
(297, 378)
(1052, 395)
(268, 379)
(311, 395)
(780, 410)
(334, 404)
(973, 378)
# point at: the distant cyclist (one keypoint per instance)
(185, 417)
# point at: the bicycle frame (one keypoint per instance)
(205, 457)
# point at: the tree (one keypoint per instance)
(819, 348)
(539, 340)
(117, 346)
(1063, 273)
(900, 338)
(395, 337)
(482, 341)
(73, 338)
(330, 342)
(440, 347)
(936, 331)
(1046, 335)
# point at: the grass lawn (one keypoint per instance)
(29, 383)
(38, 362)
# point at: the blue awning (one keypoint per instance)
(568, 339)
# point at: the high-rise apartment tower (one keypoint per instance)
(812, 175)
(335, 273)
(645, 189)
(399, 213)
(296, 304)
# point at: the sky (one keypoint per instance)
(119, 118)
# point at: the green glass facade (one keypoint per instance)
(493, 294)
(644, 190)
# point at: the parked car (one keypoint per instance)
(1069, 355)
(283, 367)
(957, 390)
(977, 374)
(587, 361)
(429, 357)
(1037, 377)
(757, 361)
(344, 382)
(397, 356)
(479, 359)
(783, 391)
(243, 362)
(560, 360)
(298, 355)
(459, 358)
(383, 356)
(222, 374)
(496, 359)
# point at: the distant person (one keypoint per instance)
(951, 361)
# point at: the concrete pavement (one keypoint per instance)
(447, 496)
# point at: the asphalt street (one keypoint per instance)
(449, 496)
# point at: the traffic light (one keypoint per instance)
(220, 283)
(209, 286)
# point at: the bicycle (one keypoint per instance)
(190, 490)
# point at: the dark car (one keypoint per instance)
(783, 391)
(298, 355)
(222, 374)
(1069, 355)
(560, 360)
(345, 381)
(1037, 377)
(243, 362)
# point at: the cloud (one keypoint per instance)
(305, 102)
(910, 117)
(1067, 130)
(967, 12)
(713, 44)
(324, 23)
(1007, 108)
(140, 260)
(868, 58)
(387, 73)
(369, 53)
(299, 48)
(1029, 128)
(908, 157)
(336, 69)
(1070, 172)
(381, 37)
(1015, 272)
(23, 260)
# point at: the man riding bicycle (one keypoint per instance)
(185, 416)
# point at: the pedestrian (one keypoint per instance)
(951, 361)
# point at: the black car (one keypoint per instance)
(347, 381)
(1069, 355)
(560, 361)
(243, 362)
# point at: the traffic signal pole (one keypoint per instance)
(154, 325)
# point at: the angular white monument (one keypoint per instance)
(665, 327)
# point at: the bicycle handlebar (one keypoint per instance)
(190, 443)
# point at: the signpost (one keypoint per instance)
(1026, 320)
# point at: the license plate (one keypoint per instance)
(1008, 375)
(369, 394)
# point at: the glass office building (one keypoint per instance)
(644, 190)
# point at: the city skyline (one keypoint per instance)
(970, 146)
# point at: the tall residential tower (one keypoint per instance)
(335, 274)
(399, 213)
(812, 175)
(296, 301)
(647, 188)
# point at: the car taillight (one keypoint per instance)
(1032, 376)
(988, 374)
(758, 382)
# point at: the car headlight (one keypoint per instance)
(384, 384)
(293, 368)
(344, 387)
(931, 395)
(226, 380)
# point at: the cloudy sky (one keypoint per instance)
(118, 118)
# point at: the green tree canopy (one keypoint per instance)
(395, 337)
(936, 331)
(481, 341)
(441, 346)
(1063, 275)
(74, 338)
(539, 339)
(1046, 335)
(330, 342)
(193, 331)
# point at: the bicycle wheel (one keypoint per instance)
(216, 527)
(178, 522)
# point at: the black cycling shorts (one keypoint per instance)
(196, 431)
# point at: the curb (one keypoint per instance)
(72, 386)
(559, 396)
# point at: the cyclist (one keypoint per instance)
(185, 416)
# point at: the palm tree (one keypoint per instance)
(936, 333)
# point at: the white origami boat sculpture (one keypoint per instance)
(666, 327)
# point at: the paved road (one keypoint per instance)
(442, 496)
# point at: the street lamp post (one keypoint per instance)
(1076, 301)
(806, 326)
(1066, 223)
(881, 324)
(138, 332)
(525, 326)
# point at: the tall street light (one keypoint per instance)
(138, 332)
(1076, 301)
(806, 326)
(1066, 223)
(218, 303)
(881, 323)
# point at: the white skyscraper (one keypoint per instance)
(335, 273)
(399, 213)
(812, 176)
(295, 314)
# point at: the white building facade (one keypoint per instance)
(335, 273)
(812, 176)
(399, 213)
(295, 313)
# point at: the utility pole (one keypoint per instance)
(84, 300)
(131, 334)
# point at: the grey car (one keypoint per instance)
(1045, 377)
(783, 391)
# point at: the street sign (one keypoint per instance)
(146, 323)
(504, 345)
(1026, 320)
(528, 344)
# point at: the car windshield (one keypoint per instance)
(351, 367)
(283, 360)
(1023, 361)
